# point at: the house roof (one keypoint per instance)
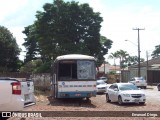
(151, 63)
(110, 67)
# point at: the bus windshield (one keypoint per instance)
(76, 69)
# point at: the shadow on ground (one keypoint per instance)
(74, 102)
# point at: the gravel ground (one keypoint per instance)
(97, 103)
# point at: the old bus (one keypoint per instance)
(73, 76)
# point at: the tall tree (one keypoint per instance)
(67, 28)
(113, 56)
(9, 51)
(131, 60)
(30, 43)
(122, 57)
(156, 52)
(105, 45)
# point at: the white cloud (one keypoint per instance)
(119, 22)
(117, 25)
(18, 14)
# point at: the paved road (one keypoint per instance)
(152, 94)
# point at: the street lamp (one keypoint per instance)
(139, 71)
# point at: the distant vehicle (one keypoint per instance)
(104, 79)
(101, 86)
(139, 82)
(125, 93)
(158, 86)
(16, 94)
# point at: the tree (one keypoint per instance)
(30, 43)
(34, 66)
(105, 45)
(125, 58)
(113, 56)
(67, 28)
(9, 51)
(131, 60)
(122, 55)
(156, 52)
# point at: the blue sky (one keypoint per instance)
(119, 19)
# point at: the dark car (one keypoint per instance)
(158, 86)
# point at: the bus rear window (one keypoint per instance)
(80, 69)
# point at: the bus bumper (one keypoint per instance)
(76, 94)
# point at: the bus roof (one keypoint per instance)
(74, 56)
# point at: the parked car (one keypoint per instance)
(158, 86)
(139, 82)
(104, 79)
(100, 86)
(125, 93)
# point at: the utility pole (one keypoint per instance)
(147, 66)
(139, 71)
(104, 68)
(147, 59)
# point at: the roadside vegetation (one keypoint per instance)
(61, 28)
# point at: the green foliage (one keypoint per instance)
(113, 56)
(31, 66)
(122, 55)
(125, 58)
(9, 51)
(35, 66)
(30, 43)
(156, 52)
(44, 68)
(66, 28)
(112, 73)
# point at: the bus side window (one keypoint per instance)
(74, 71)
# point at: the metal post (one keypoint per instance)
(139, 66)
(139, 70)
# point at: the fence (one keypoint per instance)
(15, 75)
(41, 81)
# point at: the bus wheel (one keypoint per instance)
(87, 98)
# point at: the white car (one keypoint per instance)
(139, 82)
(100, 86)
(125, 93)
(104, 79)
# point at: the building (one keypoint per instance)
(150, 70)
(109, 68)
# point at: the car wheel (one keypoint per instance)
(142, 103)
(144, 87)
(120, 102)
(107, 98)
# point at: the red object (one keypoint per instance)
(16, 88)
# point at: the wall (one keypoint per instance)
(41, 81)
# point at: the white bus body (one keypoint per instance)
(74, 76)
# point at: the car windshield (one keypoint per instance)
(128, 87)
(100, 82)
(139, 78)
(103, 78)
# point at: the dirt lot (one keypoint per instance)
(97, 103)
